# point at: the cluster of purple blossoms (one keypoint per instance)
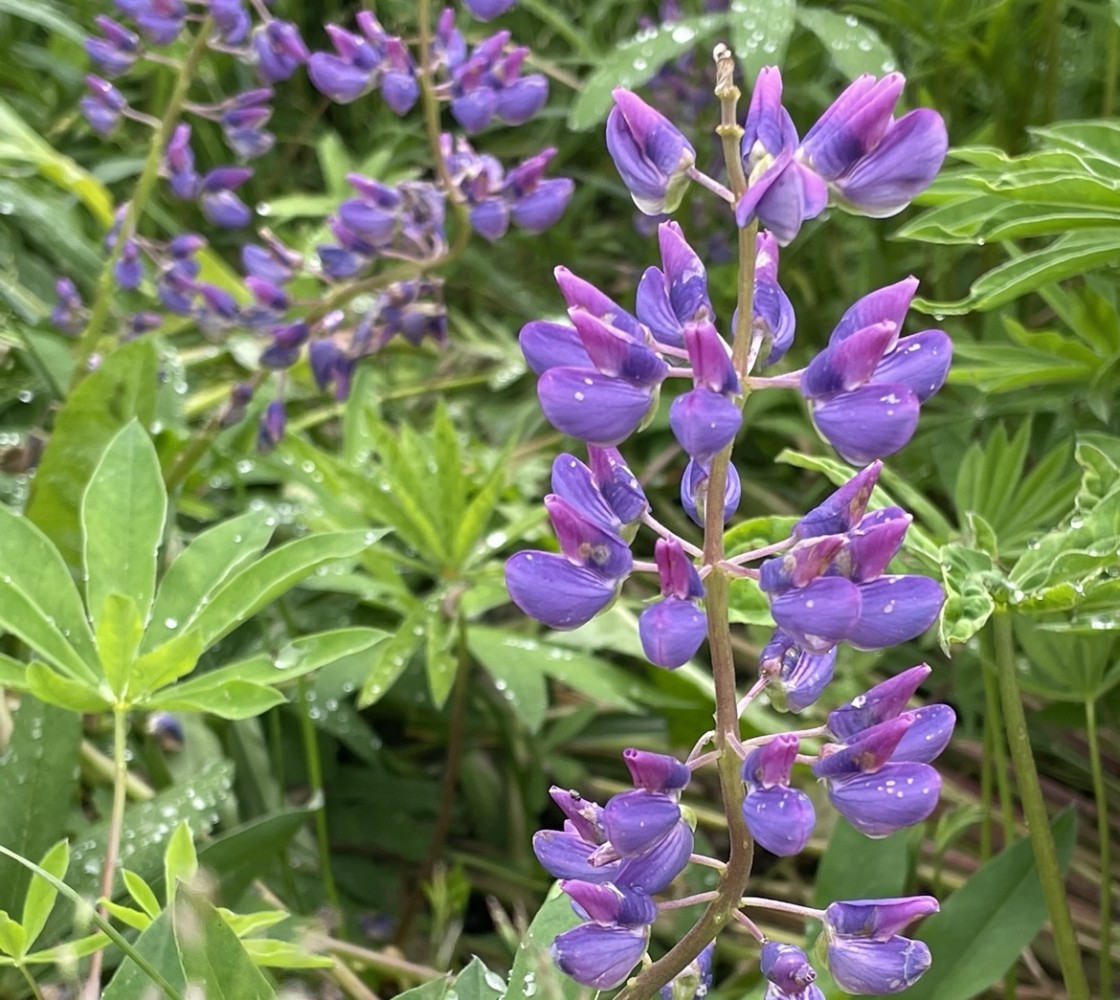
(601, 376)
(381, 222)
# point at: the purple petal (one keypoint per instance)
(637, 821)
(872, 544)
(550, 589)
(400, 90)
(920, 362)
(620, 486)
(654, 308)
(883, 701)
(653, 871)
(928, 736)
(490, 219)
(676, 570)
(338, 79)
(771, 764)
(616, 353)
(694, 491)
(801, 565)
(651, 154)
(585, 542)
(895, 609)
(656, 772)
(540, 209)
(574, 481)
(552, 345)
(870, 422)
(608, 904)
(592, 407)
(901, 167)
(849, 363)
(866, 754)
(584, 815)
(896, 796)
(225, 209)
(600, 955)
(564, 855)
(889, 304)
(486, 10)
(843, 508)
(873, 967)
(820, 615)
(672, 630)
(711, 360)
(801, 676)
(787, 967)
(473, 111)
(855, 123)
(878, 919)
(684, 274)
(704, 422)
(780, 819)
(581, 294)
(522, 99)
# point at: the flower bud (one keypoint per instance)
(650, 153)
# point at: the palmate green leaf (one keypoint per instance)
(1099, 138)
(760, 33)
(968, 576)
(119, 631)
(180, 862)
(78, 696)
(227, 699)
(1068, 256)
(142, 893)
(41, 895)
(392, 657)
(48, 608)
(959, 220)
(1066, 666)
(204, 565)
(1073, 188)
(985, 925)
(13, 938)
(38, 783)
(253, 587)
(854, 47)
(165, 664)
(214, 960)
(123, 388)
(123, 514)
(637, 60)
(449, 482)
(1001, 368)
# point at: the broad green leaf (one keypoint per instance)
(1065, 666)
(748, 605)
(180, 863)
(505, 658)
(271, 953)
(123, 513)
(442, 663)
(151, 824)
(13, 673)
(46, 15)
(41, 895)
(303, 655)
(32, 565)
(437, 989)
(391, 657)
(77, 696)
(240, 855)
(450, 482)
(204, 565)
(123, 388)
(534, 973)
(140, 891)
(38, 785)
(41, 631)
(68, 951)
(23, 144)
(167, 663)
(138, 920)
(637, 60)
(760, 33)
(856, 867)
(213, 959)
(854, 47)
(476, 982)
(985, 925)
(119, 631)
(253, 587)
(13, 938)
(227, 699)
(157, 946)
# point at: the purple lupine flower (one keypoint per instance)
(116, 53)
(788, 972)
(656, 772)
(842, 509)
(619, 485)
(103, 105)
(874, 164)
(772, 307)
(159, 21)
(782, 192)
(706, 419)
(536, 202)
(243, 117)
(129, 269)
(866, 954)
(273, 422)
(650, 152)
(866, 386)
(882, 702)
(280, 51)
(673, 628)
(638, 821)
(351, 73)
(231, 19)
(780, 818)
(600, 955)
(69, 314)
(487, 10)
(694, 490)
(178, 164)
(167, 731)
(218, 201)
(875, 792)
(797, 674)
(675, 293)
(399, 86)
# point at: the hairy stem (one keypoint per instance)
(99, 313)
(1104, 834)
(1034, 807)
(116, 825)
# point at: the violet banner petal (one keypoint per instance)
(554, 591)
(592, 407)
(921, 362)
(600, 955)
(870, 422)
(895, 609)
(869, 968)
(780, 819)
(671, 631)
(896, 796)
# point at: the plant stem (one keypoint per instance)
(1034, 807)
(1104, 834)
(116, 825)
(32, 985)
(1112, 64)
(170, 118)
(315, 779)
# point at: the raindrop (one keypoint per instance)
(25, 395)
(170, 623)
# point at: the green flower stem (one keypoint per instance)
(315, 779)
(1034, 807)
(30, 979)
(99, 314)
(1112, 64)
(103, 925)
(734, 878)
(116, 825)
(1104, 834)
